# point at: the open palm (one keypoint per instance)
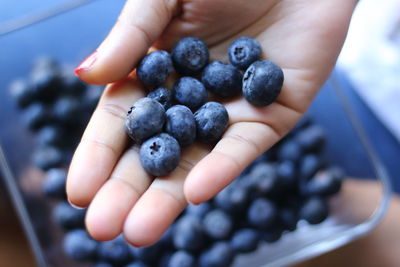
(304, 37)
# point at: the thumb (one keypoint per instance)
(139, 25)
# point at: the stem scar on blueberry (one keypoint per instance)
(130, 110)
(154, 148)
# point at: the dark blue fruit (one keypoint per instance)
(262, 213)
(48, 157)
(325, 183)
(219, 254)
(309, 165)
(271, 235)
(245, 240)
(289, 150)
(233, 198)
(103, 264)
(265, 180)
(163, 96)
(66, 109)
(190, 92)
(154, 68)
(79, 246)
(68, 217)
(116, 251)
(188, 233)
(71, 84)
(22, 93)
(36, 116)
(314, 210)
(180, 124)
(286, 172)
(137, 264)
(211, 122)
(54, 183)
(217, 224)
(160, 154)
(52, 135)
(198, 211)
(288, 218)
(190, 56)
(145, 119)
(181, 258)
(148, 254)
(243, 51)
(311, 139)
(262, 83)
(222, 79)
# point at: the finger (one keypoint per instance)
(111, 205)
(138, 26)
(102, 143)
(161, 203)
(241, 144)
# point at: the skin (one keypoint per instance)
(304, 37)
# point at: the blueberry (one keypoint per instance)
(222, 79)
(154, 68)
(22, 93)
(148, 254)
(262, 83)
(243, 51)
(272, 235)
(45, 79)
(311, 139)
(314, 210)
(92, 96)
(52, 135)
(325, 183)
(180, 124)
(190, 92)
(266, 182)
(116, 251)
(262, 213)
(36, 116)
(219, 254)
(217, 224)
(288, 217)
(103, 264)
(233, 198)
(310, 164)
(188, 233)
(145, 119)
(189, 56)
(198, 211)
(137, 264)
(211, 122)
(79, 246)
(48, 157)
(163, 96)
(289, 150)
(68, 217)
(71, 84)
(54, 183)
(181, 258)
(160, 154)
(286, 172)
(245, 240)
(67, 109)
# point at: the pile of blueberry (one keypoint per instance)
(289, 183)
(166, 120)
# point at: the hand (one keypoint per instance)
(304, 37)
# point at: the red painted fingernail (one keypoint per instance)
(86, 64)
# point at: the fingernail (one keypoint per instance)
(86, 64)
(75, 206)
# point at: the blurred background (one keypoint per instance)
(368, 72)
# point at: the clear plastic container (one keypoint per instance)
(24, 181)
